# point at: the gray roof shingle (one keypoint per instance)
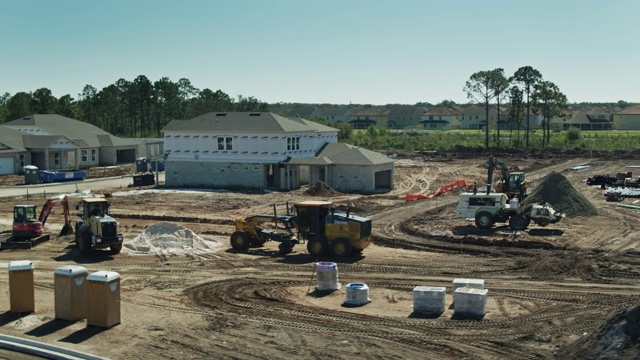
(233, 122)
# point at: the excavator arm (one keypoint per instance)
(495, 164)
(49, 205)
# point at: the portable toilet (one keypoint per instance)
(21, 287)
(30, 174)
(103, 299)
(141, 164)
(70, 292)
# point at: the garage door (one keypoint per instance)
(6, 166)
(383, 180)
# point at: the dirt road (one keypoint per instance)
(547, 286)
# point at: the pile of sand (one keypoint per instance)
(165, 238)
(320, 188)
(616, 338)
(556, 190)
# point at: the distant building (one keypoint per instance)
(54, 142)
(441, 118)
(627, 118)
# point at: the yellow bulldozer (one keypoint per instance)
(316, 223)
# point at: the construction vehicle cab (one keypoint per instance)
(97, 229)
(25, 222)
(512, 183)
(315, 222)
(326, 230)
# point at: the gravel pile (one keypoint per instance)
(556, 190)
(166, 239)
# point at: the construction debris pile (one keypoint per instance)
(165, 238)
(616, 338)
(556, 190)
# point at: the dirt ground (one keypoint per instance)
(548, 287)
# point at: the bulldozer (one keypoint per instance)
(316, 223)
(29, 229)
(96, 229)
(512, 183)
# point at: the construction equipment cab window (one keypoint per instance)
(311, 220)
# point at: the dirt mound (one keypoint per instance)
(165, 238)
(616, 338)
(556, 190)
(320, 188)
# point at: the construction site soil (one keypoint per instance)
(568, 290)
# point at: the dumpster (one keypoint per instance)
(61, 175)
(103, 299)
(30, 175)
(70, 292)
(143, 179)
(21, 287)
(141, 165)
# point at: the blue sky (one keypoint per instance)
(348, 51)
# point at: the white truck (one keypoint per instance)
(488, 208)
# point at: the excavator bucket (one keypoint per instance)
(67, 229)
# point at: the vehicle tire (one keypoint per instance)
(341, 247)
(114, 249)
(317, 246)
(285, 247)
(484, 220)
(518, 222)
(240, 240)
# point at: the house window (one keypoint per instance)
(93, 155)
(245, 167)
(225, 143)
(56, 158)
(84, 155)
(293, 143)
(256, 167)
(434, 126)
(430, 117)
(476, 117)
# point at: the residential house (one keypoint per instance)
(581, 120)
(369, 117)
(441, 118)
(56, 142)
(337, 114)
(627, 118)
(475, 117)
(348, 168)
(260, 150)
(13, 155)
(404, 116)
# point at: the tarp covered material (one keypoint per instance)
(443, 189)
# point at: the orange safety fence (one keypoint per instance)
(443, 189)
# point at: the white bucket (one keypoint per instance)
(357, 294)
(327, 276)
(513, 203)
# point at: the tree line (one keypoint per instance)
(527, 83)
(138, 108)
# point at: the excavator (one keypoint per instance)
(27, 230)
(512, 183)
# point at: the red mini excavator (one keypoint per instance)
(27, 227)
